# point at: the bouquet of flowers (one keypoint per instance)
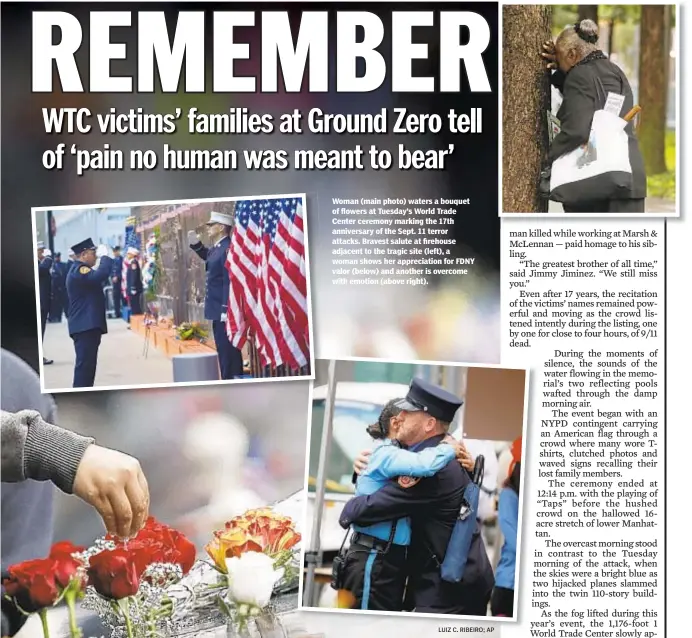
(151, 585)
(191, 330)
(257, 554)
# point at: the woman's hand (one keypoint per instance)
(549, 55)
(361, 462)
(463, 455)
(114, 484)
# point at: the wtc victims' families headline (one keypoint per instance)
(240, 121)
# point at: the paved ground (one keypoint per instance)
(121, 358)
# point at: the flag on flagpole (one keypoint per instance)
(268, 290)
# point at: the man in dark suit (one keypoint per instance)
(216, 293)
(87, 318)
(45, 263)
(433, 504)
(117, 280)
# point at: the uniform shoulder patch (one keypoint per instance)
(84, 270)
(407, 481)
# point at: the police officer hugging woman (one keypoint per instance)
(407, 503)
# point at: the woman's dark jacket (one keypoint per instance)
(584, 89)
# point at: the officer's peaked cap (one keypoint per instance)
(87, 244)
(430, 398)
(220, 218)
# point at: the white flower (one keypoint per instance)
(251, 578)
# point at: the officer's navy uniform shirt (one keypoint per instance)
(389, 461)
(433, 505)
(87, 301)
(117, 268)
(216, 294)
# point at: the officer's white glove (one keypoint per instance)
(224, 316)
(102, 251)
(192, 237)
(46, 252)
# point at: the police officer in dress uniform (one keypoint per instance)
(45, 263)
(216, 294)
(116, 280)
(87, 318)
(134, 282)
(433, 504)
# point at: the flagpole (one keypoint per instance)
(314, 554)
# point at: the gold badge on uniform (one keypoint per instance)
(407, 481)
(84, 270)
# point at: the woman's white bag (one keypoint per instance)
(598, 170)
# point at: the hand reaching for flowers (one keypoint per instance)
(114, 484)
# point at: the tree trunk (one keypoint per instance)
(653, 85)
(611, 37)
(525, 103)
(588, 12)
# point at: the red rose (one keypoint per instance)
(158, 543)
(32, 584)
(66, 564)
(113, 574)
(181, 550)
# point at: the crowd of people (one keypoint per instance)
(409, 498)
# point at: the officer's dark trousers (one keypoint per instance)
(230, 358)
(136, 305)
(502, 602)
(376, 579)
(86, 349)
(117, 298)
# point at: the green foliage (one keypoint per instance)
(564, 14)
(152, 291)
(663, 184)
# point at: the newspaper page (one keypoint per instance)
(332, 319)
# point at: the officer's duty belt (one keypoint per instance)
(369, 541)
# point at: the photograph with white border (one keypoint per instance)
(413, 489)
(590, 110)
(185, 292)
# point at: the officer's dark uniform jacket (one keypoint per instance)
(216, 294)
(87, 301)
(44, 283)
(433, 505)
(134, 279)
(117, 268)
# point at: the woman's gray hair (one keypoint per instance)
(581, 36)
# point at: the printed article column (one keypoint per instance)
(583, 307)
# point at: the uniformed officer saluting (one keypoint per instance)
(433, 505)
(87, 318)
(216, 293)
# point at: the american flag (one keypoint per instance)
(268, 291)
(131, 241)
